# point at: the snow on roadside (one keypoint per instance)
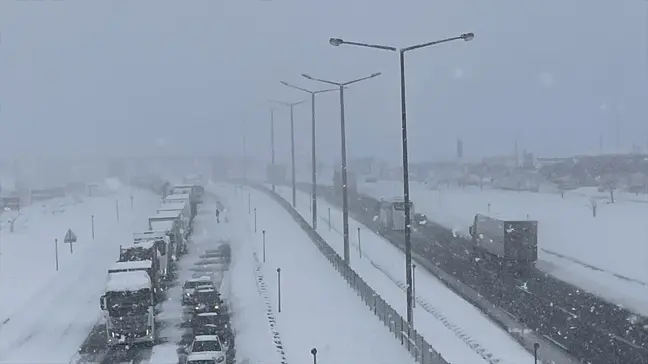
(319, 309)
(455, 328)
(55, 316)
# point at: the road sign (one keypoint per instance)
(70, 237)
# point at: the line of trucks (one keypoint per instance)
(511, 243)
(136, 282)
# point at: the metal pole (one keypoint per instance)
(313, 163)
(406, 197)
(56, 253)
(359, 244)
(93, 235)
(255, 221)
(249, 203)
(117, 208)
(279, 288)
(536, 346)
(264, 250)
(345, 197)
(329, 218)
(414, 285)
(272, 146)
(292, 155)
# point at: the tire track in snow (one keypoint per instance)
(473, 344)
(272, 320)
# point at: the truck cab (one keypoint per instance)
(128, 308)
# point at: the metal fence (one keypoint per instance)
(408, 337)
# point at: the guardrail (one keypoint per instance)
(420, 349)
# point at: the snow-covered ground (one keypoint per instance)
(46, 314)
(456, 329)
(606, 255)
(207, 237)
(318, 309)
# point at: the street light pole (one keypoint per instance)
(272, 147)
(406, 195)
(345, 196)
(292, 145)
(313, 149)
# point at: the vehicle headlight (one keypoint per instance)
(187, 294)
(220, 359)
(197, 308)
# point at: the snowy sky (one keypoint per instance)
(152, 76)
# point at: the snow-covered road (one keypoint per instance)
(318, 309)
(455, 328)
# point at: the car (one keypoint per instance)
(190, 286)
(210, 323)
(207, 344)
(206, 300)
(203, 358)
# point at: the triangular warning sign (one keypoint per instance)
(70, 237)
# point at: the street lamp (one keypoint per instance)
(272, 148)
(408, 229)
(313, 159)
(292, 105)
(345, 197)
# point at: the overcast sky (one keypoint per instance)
(125, 77)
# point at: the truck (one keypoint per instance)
(143, 252)
(139, 265)
(173, 228)
(512, 243)
(128, 308)
(162, 243)
(182, 207)
(187, 198)
(391, 214)
(352, 186)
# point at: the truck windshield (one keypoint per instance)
(211, 345)
(400, 206)
(128, 302)
(207, 296)
(134, 254)
(194, 284)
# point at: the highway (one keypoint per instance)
(584, 325)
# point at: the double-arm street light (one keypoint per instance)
(345, 198)
(292, 105)
(313, 159)
(408, 229)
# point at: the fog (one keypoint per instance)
(149, 77)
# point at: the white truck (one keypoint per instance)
(128, 308)
(184, 197)
(173, 228)
(143, 252)
(182, 207)
(162, 243)
(391, 214)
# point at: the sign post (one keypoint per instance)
(70, 238)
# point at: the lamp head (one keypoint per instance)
(336, 42)
(468, 36)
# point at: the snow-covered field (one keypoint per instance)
(456, 329)
(318, 309)
(606, 255)
(46, 314)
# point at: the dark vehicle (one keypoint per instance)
(210, 323)
(191, 285)
(207, 300)
(513, 243)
